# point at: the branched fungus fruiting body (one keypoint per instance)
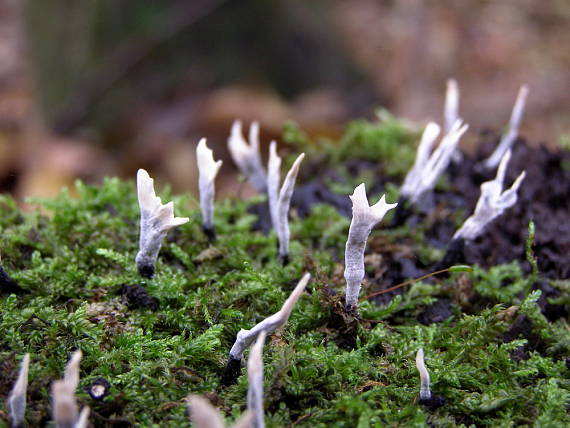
(156, 220)
(208, 169)
(364, 218)
(492, 203)
(204, 415)
(246, 156)
(428, 168)
(509, 138)
(270, 324)
(284, 203)
(425, 392)
(17, 397)
(255, 381)
(280, 200)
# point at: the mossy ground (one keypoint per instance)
(74, 262)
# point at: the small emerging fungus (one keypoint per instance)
(156, 220)
(208, 169)
(428, 168)
(204, 415)
(509, 138)
(492, 203)
(364, 218)
(246, 156)
(425, 393)
(65, 410)
(17, 397)
(270, 324)
(255, 381)
(280, 200)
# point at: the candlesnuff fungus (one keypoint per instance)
(364, 218)
(208, 169)
(65, 411)
(17, 397)
(425, 393)
(246, 156)
(270, 324)
(156, 220)
(492, 202)
(255, 381)
(508, 138)
(204, 415)
(280, 200)
(451, 113)
(427, 169)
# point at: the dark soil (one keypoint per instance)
(138, 297)
(436, 313)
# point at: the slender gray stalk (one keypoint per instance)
(208, 170)
(17, 397)
(425, 392)
(255, 381)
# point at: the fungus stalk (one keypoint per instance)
(255, 382)
(280, 200)
(492, 203)
(246, 156)
(17, 397)
(451, 113)
(425, 393)
(364, 218)
(427, 168)
(208, 169)
(268, 325)
(65, 410)
(509, 137)
(156, 220)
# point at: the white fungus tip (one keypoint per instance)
(17, 397)
(203, 414)
(71, 374)
(83, 418)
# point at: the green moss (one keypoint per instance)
(74, 261)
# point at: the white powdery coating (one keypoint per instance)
(451, 111)
(204, 415)
(283, 206)
(246, 156)
(427, 169)
(83, 418)
(65, 410)
(508, 139)
(255, 382)
(273, 181)
(425, 393)
(270, 324)
(492, 202)
(156, 220)
(208, 169)
(17, 397)
(364, 218)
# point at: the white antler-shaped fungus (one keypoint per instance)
(425, 393)
(246, 156)
(156, 220)
(364, 218)
(17, 397)
(509, 137)
(280, 200)
(208, 169)
(451, 113)
(492, 202)
(204, 415)
(270, 324)
(65, 410)
(427, 169)
(255, 381)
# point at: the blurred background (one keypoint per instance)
(93, 88)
